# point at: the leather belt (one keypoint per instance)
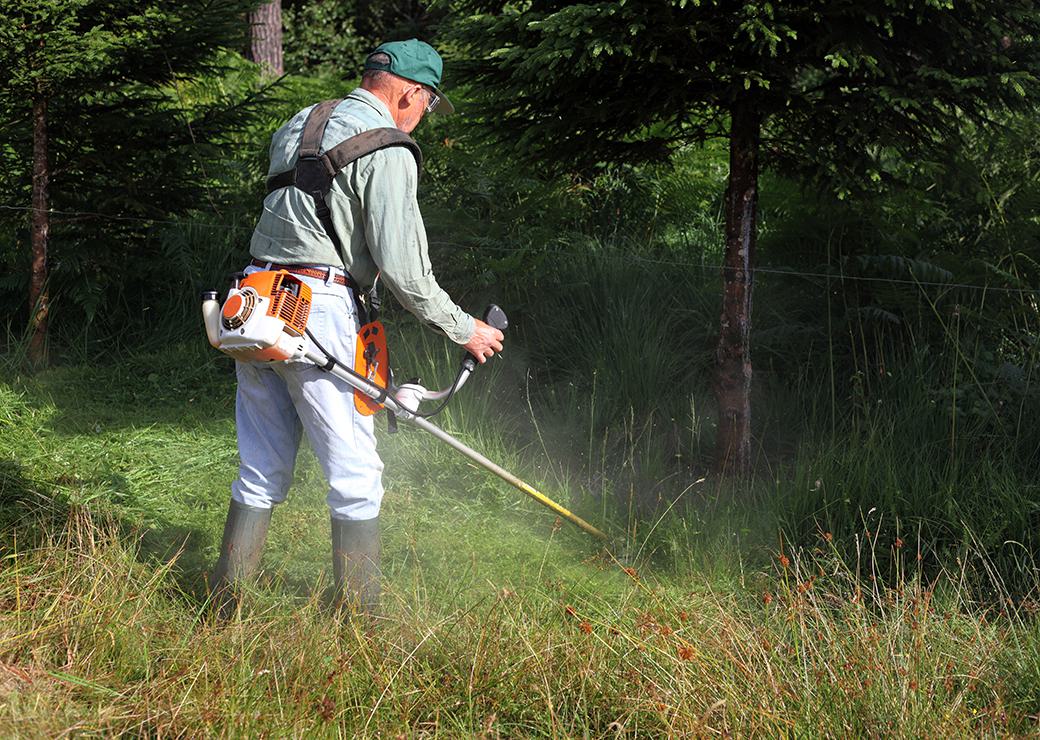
(311, 272)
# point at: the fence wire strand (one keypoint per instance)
(628, 255)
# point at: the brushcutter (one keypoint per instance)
(264, 318)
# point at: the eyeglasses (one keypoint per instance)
(432, 100)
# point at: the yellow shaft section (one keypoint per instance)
(506, 476)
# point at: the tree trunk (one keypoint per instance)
(733, 354)
(265, 37)
(38, 298)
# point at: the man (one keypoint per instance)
(377, 231)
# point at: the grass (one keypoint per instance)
(498, 619)
(94, 641)
(877, 578)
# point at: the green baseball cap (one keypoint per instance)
(414, 60)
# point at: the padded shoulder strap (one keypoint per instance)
(370, 141)
(314, 170)
(314, 128)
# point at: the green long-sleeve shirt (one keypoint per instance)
(375, 211)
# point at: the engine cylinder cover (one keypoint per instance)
(238, 308)
(265, 316)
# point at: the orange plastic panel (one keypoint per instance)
(371, 360)
(262, 282)
(290, 297)
(232, 306)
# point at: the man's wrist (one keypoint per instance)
(467, 329)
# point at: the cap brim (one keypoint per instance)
(444, 107)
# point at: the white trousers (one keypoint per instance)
(277, 402)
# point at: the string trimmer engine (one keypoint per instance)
(263, 318)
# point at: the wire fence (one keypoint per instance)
(616, 250)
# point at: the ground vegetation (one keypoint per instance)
(876, 574)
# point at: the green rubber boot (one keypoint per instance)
(355, 565)
(245, 532)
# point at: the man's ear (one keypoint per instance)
(412, 92)
(404, 98)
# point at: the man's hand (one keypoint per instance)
(485, 342)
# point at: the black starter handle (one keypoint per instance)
(494, 317)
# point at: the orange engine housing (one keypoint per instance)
(290, 300)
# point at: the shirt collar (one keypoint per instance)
(366, 97)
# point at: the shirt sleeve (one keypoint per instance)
(396, 239)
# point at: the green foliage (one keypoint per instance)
(888, 406)
(946, 261)
(138, 130)
(876, 368)
(388, 20)
(71, 46)
(914, 457)
(322, 34)
(839, 86)
(335, 35)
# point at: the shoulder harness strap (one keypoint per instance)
(360, 145)
(315, 170)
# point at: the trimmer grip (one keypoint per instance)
(494, 317)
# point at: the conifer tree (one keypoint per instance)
(86, 106)
(831, 84)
